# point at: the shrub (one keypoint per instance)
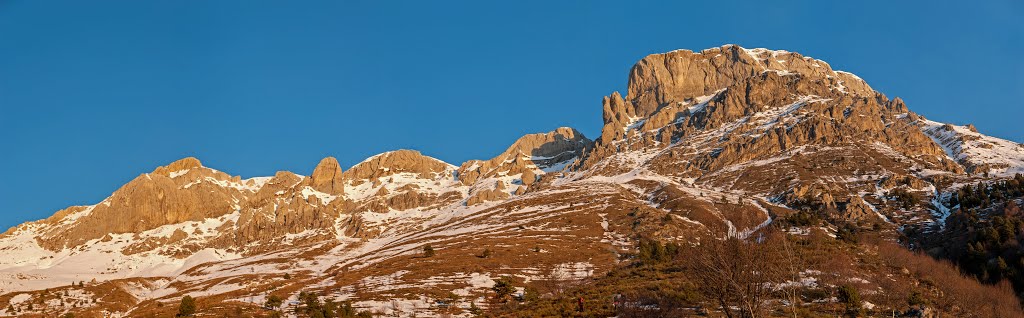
(850, 297)
(653, 252)
(904, 198)
(503, 289)
(187, 308)
(273, 302)
(848, 233)
(802, 218)
(916, 299)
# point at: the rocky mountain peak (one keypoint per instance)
(395, 162)
(540, 151)
(546, 149)
(688, 77)
(179, 165)
(327, 177)
(175, 193)
(724, 113)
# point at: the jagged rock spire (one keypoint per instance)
(327, 177)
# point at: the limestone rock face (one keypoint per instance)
(286, 204)
(549, 148)
(543, 151)
(809, 113)
(529, 177)
(180, 165)
(396, 162)
(495, 193)
(400, 180)
(518, 167)
(181, 191)
(762, 121)
(662, 79)
(617, 115)
(856, 209)
(687, 78)
(327, 177)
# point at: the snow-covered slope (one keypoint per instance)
(28, 266)
(978, 152)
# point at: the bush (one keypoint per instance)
(428, 251)
(850, 297)
(916, 299)
(273, 302)
(530, 295)
(904, 198)
(802, 218)
(187, 308)
(848, 233)
(503, 289)
(653, 252)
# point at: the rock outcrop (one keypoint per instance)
(538, 152)
(178, 166)
(327, 177)
(401, 180)
(181, 191)
(396, 162)
(527, 159)
(725, 113)
(286, 204)
(663, 79)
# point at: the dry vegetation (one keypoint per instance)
(774, 275)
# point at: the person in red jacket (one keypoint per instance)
(580, 304)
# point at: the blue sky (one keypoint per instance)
(93, 93)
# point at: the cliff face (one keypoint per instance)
(523, 164)
(402, 180)
(662, 79)
(179, 192)
(327, 177)
(722, 142)
(763, 121)
(683, 77)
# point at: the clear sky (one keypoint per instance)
(93, 93)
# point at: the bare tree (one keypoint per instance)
(736, 274)
(793, 266)
(559, 278)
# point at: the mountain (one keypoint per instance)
(722, 143)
